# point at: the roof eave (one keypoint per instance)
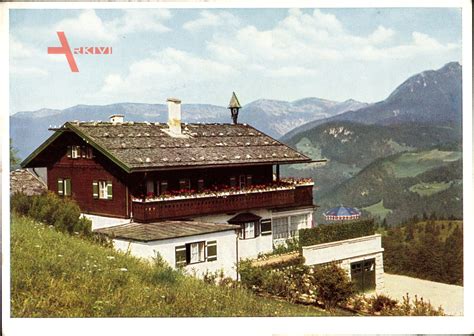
(239, 164)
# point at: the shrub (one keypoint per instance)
(62, 213)
(333, 285)
(334, 232)
(382, 302)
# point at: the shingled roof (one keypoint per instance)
(162, 230)
(140, 146)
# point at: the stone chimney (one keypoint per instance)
(116, 118)
(174, 116)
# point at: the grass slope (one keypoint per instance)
(56, 275)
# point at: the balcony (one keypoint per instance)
(284, 194)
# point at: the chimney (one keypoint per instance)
(116, 118)
(174, 115)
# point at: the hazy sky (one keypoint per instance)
(201, 56)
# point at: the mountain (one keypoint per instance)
(431, 97)
(402, 185)
(349, 147)
(271, 116)
(377, 155)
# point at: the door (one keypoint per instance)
(363, 275)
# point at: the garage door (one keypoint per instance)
(363, 275)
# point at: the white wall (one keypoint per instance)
(102, 221)
(339, 250)
(347, 252)
(226, 252)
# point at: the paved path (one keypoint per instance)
(450, 297)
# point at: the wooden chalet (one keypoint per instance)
(150, 172)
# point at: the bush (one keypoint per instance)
(333, 285)
(382, 302)
(62, 213)
(334, 232)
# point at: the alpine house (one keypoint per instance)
(203, 196)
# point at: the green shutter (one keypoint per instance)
(109, 190)
(95, 189)
(67, 187)
(180, 255)
(60, 187)
(69, 151)
(212, 250)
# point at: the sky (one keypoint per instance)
(202, 55)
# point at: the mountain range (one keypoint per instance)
(395, 158)
(286, 115)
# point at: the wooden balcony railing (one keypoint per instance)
(174, 208)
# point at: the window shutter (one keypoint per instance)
(60, 187)
(212, 250)
(67, 187)
(180, 255)
(95, 189)
(257, 228)
(109, 190)
(83, 152)
(69, 151)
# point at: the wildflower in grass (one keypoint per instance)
(123, 269)
(37, 246)
(60, 255)
(110, 257)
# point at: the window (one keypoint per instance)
(102, 189)
(163, 187)
(249, 180)
(64, 186)
(76, 152)
(286, 227)
(242, 181)
(200, 184)
(150, 187)
(248, 230)
(297, 222)
(184, 184)
(266, 227)
(280, 227)
(195, 253)
(233, 182)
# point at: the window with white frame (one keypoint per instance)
(195, 252)
(297, 222)
(288, 226)
(249, 230)
(102, 190)
(280, 227)
(64, 186)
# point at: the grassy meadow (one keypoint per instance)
(57, 275)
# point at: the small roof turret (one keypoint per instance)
(234, 102)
